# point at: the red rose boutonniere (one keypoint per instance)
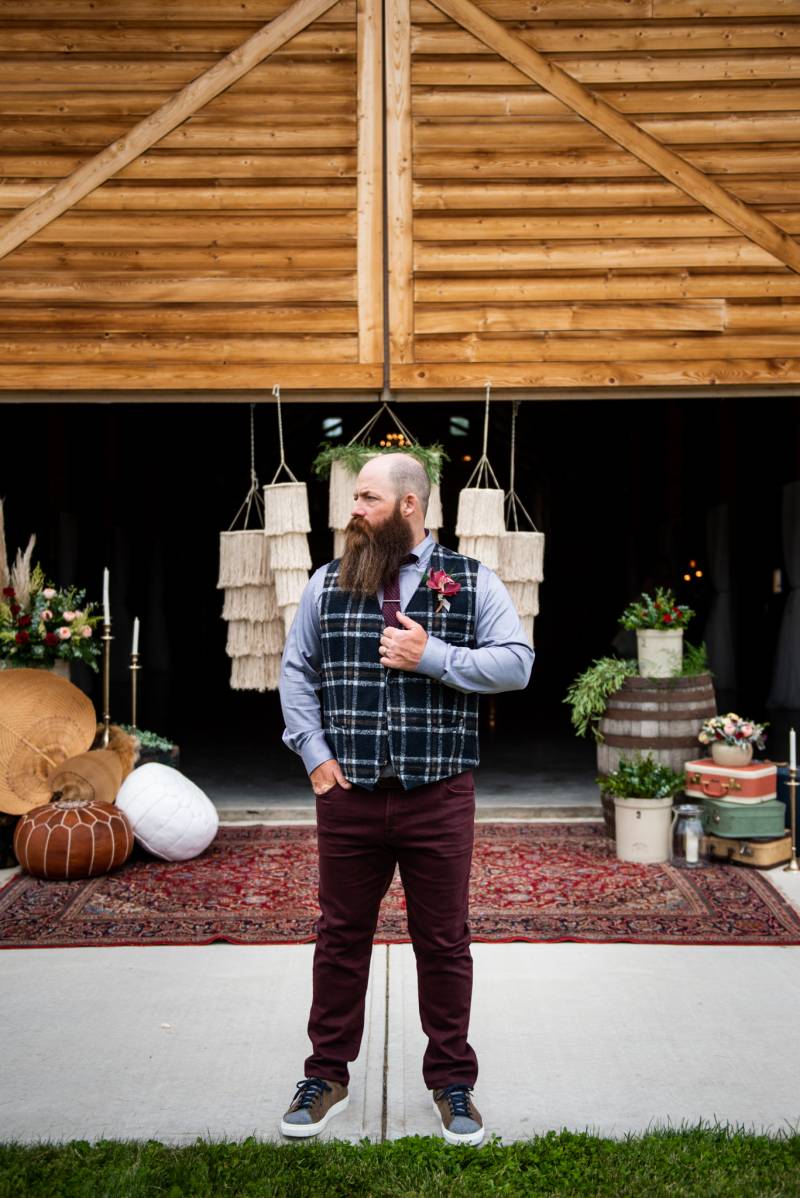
(444, 586)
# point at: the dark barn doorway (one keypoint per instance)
(621, 488)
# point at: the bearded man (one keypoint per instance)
(380, 679)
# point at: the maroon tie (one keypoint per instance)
(391, 595)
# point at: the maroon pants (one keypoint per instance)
(362, 834)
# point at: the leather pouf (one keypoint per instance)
(171, 817)
(73, 838)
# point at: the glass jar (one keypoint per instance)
(687, 836)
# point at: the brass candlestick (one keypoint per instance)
(107, 638)
(134, 667)
(793, 867)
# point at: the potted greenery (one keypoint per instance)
(153, 747)
(732, 739)
(643, 790)
(659, 623)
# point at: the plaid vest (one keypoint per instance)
(372, 714)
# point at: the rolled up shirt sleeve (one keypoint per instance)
(301, 681)
(501, 660)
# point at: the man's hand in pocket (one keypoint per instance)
(326, 776)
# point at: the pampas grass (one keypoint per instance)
(4, 571)
(20, 577)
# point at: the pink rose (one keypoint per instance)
(86, 631)
(47, 614)
(747, 729)
(69, 616)
(440, 580)
(49, 593)
(64, 634)
(728, 729)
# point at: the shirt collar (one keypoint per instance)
(424, 550)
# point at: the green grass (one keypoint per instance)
(709, 1162)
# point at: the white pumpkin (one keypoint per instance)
(171, 817)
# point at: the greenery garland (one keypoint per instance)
(588, 694)
(431, 457)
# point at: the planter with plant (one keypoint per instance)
(731, 738)
(643, 791)
(659, 624)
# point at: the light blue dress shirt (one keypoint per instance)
(501, 660)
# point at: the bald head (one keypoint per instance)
(402, 473)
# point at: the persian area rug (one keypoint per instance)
(257, 884)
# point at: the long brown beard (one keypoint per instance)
(372, 556)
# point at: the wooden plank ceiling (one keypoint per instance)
(595, 193)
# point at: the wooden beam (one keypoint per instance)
(166, 118)
(617, 126)
(399, 181)
(369, 183)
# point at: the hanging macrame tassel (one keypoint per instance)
(248, 674)
(525, 597)
(254, 639)
(522, 557)
(243, 559)
(433, 517)
(257, 604)
(289, 552)
(480, 512)
(289, 586)
(286, 509)
(339, 542)
(484, 549)
(340, 495)
(288, 614)
(272, 671)
(527, 627)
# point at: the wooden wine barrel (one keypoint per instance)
(659, 716)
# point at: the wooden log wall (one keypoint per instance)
(535, 250)
(599, 193)
(242, 249)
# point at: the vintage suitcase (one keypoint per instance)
(737, 784)
(761, 854)
(744, 820)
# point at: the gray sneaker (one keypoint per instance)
(461, 1119)
(314, 1104)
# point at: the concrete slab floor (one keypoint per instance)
(176, 1043)
(169, 1043)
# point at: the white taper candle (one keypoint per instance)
(135, 645)
(106, 605)
(792, 749)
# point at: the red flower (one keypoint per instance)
(667, 618)
(51, 638)
(440, 581)
(24, 621)
(15, 609)
(22, 638)
(8, 592)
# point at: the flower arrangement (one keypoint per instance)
(355, 456)
(732, 729)
(659, 611)
(444, 586)
(47, 625)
